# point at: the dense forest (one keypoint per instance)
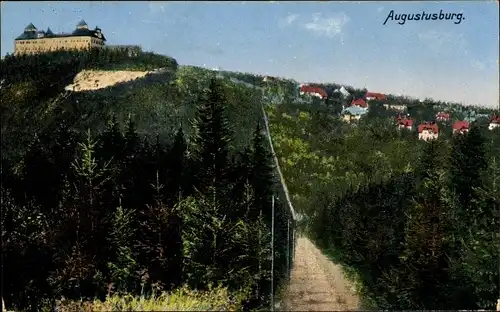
(415, 222)
(109, 192)
(166, 185)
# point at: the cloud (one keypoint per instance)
(331, 26)
(478, 64)
(440, 42)
(288, 20)
(155, 8)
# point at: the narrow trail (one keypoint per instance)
(317, 284)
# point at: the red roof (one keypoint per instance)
(461, 125)
(359, 102)
(311, 89)
(405, 122)
(377, 96)
(430, 127)
(443, 115)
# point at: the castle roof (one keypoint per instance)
(81, 23)
(30, 27)
(31, 32)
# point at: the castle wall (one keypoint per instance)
(45, 44)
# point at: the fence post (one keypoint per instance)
(272, 253)
(260, 254)
(288, 248)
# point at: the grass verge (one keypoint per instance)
(183, 299)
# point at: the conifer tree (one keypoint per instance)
(262, 177)
(123, 266)
(467, 164)
(242, 191)
(112, 141)
(160, 241)
(132, 140)
(425, 233)
(177, 167)
(212, 140)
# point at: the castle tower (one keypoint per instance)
(82, 25)
(30, 28)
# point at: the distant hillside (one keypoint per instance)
(149, 87)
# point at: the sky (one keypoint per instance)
(338, 42)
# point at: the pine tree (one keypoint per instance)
(262, 177)
(111, 149)
(132, 168)
(112, 141)
(212, 140)
(123, 268)
(160, 241)
(241, 190)
(177, 168)
(425, 233)
(86, 219)
(132, 140)
(467, 164)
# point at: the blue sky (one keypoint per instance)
(341, 42)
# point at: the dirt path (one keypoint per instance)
(316, 284)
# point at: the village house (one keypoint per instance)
(360, 103)
(494, 122)
(314, 91)
(353, 113)
(404, 123)
(428, 131)
(369, 96)
(441, 116)
(461, 127)
(343, 91)
(400, 108)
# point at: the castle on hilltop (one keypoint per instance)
(33, 41)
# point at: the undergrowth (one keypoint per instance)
(182, 299)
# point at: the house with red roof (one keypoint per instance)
(461, 127)
(359, 102)
(404, 123)
(441, 116)
(375, 96)
(428, 131)
(494, 122)
(314, 91)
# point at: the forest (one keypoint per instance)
(415, 222)
(169, 187)
(135, 193)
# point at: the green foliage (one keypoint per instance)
(122, 233)
(153, 151)
(182, 299)
(409, 217)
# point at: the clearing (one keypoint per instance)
(317, 284)
(99, 79)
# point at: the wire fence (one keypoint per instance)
(283, 228)
(284, 218)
